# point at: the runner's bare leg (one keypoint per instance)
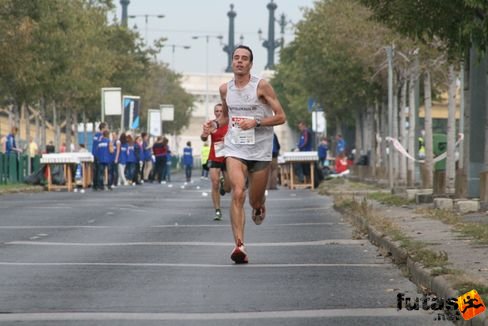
(237, 172)
(215, 179)
(257, 187)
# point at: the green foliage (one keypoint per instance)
(332, 60)
(458, 23)
(163, 87)
(64, 52)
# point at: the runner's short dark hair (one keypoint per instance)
(245, 47)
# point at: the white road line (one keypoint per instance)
(28, 227)
(181, 265)
(291, 314)
(195, 243)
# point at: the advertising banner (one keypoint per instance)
(131, 105)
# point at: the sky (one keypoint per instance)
(187, 18)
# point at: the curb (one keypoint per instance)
(419, 275)
(29, 189)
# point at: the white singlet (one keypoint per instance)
(254, 144)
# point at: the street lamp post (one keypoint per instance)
(146, 19)
(173, 48)
(207, 39)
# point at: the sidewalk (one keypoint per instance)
(444, 253)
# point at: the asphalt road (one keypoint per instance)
(152, 255)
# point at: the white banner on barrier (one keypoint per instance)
(404, 152)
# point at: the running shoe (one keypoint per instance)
(218, 215)
(258, 215)
(221, 186)
(239, 254)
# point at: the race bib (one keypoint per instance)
(219, 149)
(239, 136)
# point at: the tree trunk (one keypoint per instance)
(38, 129)
(359, 136)
(451, 133)
(26, 115)
(383, 134)
(395, 154)
(377, 134)
(57, 140)
(44, 126)
(11, 122)
(85, 132)
(411, 128)
(428, 137)
(403, 132)
(371, 140)
(75, 124)
(68, 129)
(17, 116)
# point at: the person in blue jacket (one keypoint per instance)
(322, 151)
(10, 144)
(188, 161)
(113, 168)
(147, 162)
(96, 138)
(132, 160)
(304, 145)
(104, 151)
(167, 170)
(121, 159)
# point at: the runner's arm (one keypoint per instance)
(223, 120)
(267, 94)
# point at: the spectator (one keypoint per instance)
(32, 151)
(10, 144)
(304, 145)
(160, 149)
(322, 151)
(147, 162)
(96, 138)
(139, 151)
(204, 154)
(341, 164)
(340, 145)
(131, 160)
(121, 159)
(188, 161)
(167, 171)
(104, 150)
(50, 147)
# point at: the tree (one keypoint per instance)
(458, 23)
(163, 86)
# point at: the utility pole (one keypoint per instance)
(229, 48)
(125, 5)
(271, 44)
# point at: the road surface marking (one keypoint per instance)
(195, 243)
(181, 265)
(290, 314)
(26, 227)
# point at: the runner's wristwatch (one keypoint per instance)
(258, 122)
